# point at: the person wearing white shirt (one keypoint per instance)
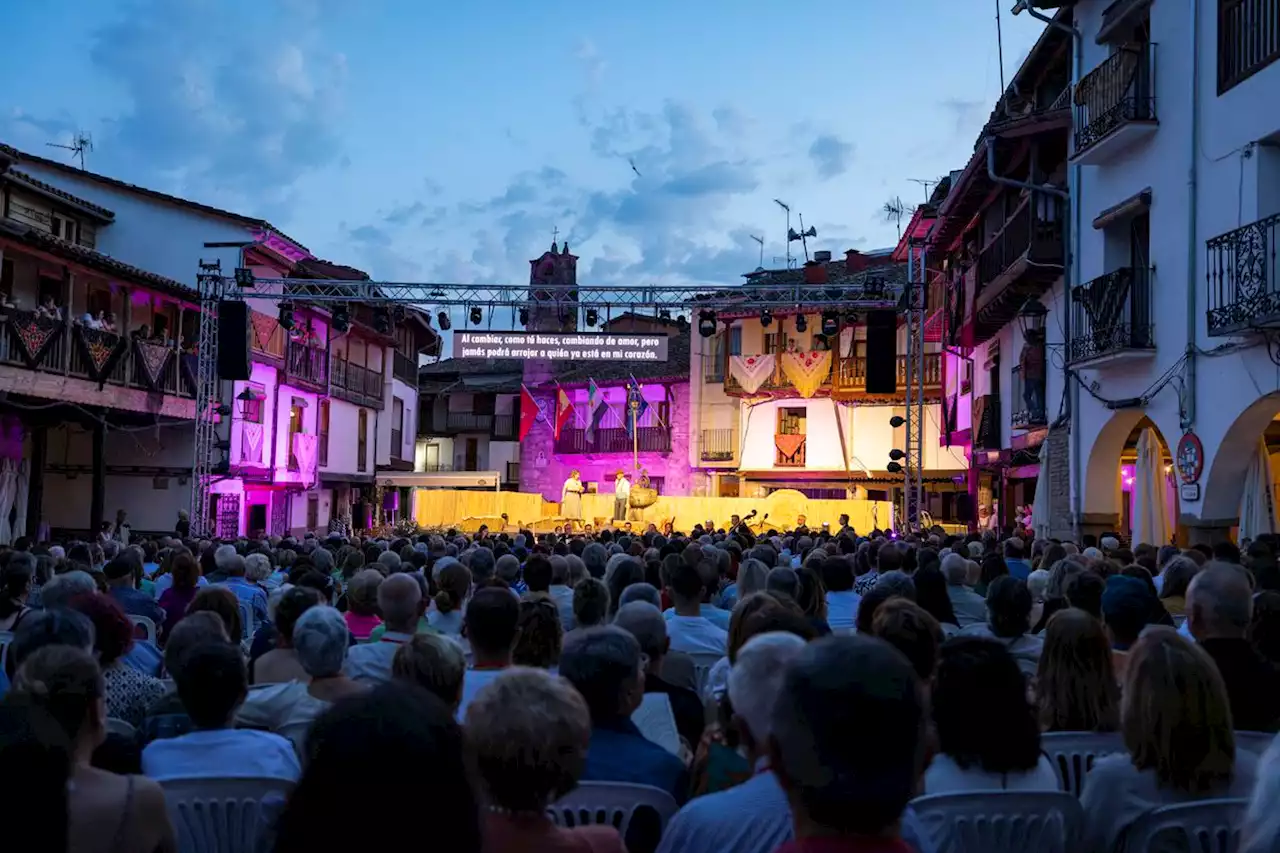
(212, 684)
(492, 627)
(621, 493)
(689, 631)
(400, 600)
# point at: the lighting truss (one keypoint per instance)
(867, 291)
(913, 305)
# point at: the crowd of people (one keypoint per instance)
(793, 691)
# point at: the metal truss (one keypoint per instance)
(914, 311)
(866, 291)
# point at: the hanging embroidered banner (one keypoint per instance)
(100, 349)
(807, 370)
(304, 448)
(789, 446)
(251, 443)
(152, 359)
(751, 371)
(34, 334)
(268, 335)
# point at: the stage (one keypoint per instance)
(467, 510)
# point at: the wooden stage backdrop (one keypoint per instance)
(467, 510)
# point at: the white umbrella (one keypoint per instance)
(24, 495)
(1257, 501)
(1040, 502)
(1150, 509)
(8, 489)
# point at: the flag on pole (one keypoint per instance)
(636, 406)
(530, 411)
(596, 410)
(564, 410)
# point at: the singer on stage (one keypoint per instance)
(621, 492)
(571, 497)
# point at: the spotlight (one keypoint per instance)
(592, 316)
(897, 421)
(244, 277)
(896, 455)
(341, 320)
(802, 323)
(476, 315)
(524, 316)
(893, 468)
(706, 323)
(382, 321)
(766, 318)
(830, 323)
(443, 319)
(682, 322)
(286, 316)
(664, 314)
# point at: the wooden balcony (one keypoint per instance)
(648, 439)
(1248, 39)
(405, 368)
(1115, 105)
(719, 445)
(848, 379)
(307, 366)
(355, 384)
(1021, 261)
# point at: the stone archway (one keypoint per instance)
(1101, 485)
(1227, 464)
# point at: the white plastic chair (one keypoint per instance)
(227, 815)
(1002, 821)
(1255, 742)
(612, 804)
(1074, 753)
(702, 664)
(1207, 826)
(146, 625)
(123, 728)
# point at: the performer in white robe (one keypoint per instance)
(571, 497)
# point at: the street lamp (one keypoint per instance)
(1032, 315)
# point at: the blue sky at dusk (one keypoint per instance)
(443, 141)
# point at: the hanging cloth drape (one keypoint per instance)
(34, 334)
(789, 445)
(1040, 503)
(101, 351)
(1257, 501)
(751, 371)
(251, 443)
(8, 491)
(807, 370)
(20, 503)
(1150, 506)
(304, 447)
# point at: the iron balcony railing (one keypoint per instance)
(1119, 91)
(649, 439)
(1111, 314)
(1244, 287)
(719, 445)
(1248, 39)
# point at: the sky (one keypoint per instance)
(424, 140)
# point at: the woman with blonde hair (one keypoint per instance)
(1177, 727)
(1076, 686)
(529, 760)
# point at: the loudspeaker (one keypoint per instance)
(233, 340)
(964, 507)
(882, 352)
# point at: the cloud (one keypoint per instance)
(402, 214)
(968, 115)
(831, 155)
(592, 63)
(369, 235)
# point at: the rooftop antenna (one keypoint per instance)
(1000, 47)
(802, 237)
(787, 208)
(926, 183)
(759, 240)
(893, 211)
(81, 143)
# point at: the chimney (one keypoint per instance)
(822, 256)
(854, 262)
(815, 272)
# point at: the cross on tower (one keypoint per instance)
(555, 234)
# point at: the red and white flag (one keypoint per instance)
(529, 412)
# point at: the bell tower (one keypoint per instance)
(553, 285)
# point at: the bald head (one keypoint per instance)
(1219, 602)
(400, 600)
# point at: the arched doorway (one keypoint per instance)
(1228, 471)
(1111, 479)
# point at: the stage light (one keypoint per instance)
(896, 455)
(244, 277)
(341, 320)
(382, 321)
(286, 316)
(592, 317)
(443, 319)
(802, 323)
(830, 323)
(706, 323)
(476, 315)
(524, 316)
(893, 468)
(664, 314)
(766, 318)
(682, 322)
(897, 421)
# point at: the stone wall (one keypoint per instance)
(1058, 445)
(544, 472)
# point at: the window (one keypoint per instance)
(322, 431)
(253, 408)
(65, 227)
(296, 407)
(99, 301)
(791, 421)
(313, 511)
(362, 439)
(735, 341)
(664, 413)
(774, 342)
(397, 427)
(6, 277)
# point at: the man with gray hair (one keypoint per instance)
(604, 665)
(388, 562)
(402, 605)
(753, 817)
(60, 589)
(232, 565)
(1219, 609)
(969, 607)
(784, 580)
(595, 556)
(645, 622)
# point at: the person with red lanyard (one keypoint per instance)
(848, 794)
(402, 604)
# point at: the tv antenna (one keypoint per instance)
(803, 236)
(893, 211)
(926, 183)
(759, 240)
(81, 143)
(787, 208)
